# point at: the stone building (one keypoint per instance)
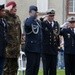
(63, 8)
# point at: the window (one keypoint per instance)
(71, 6)
(42, 5)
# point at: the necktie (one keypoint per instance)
(51, 24)
(73, 29)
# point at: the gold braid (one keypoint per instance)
(56, 33)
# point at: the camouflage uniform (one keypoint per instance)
(13, 48)
(22, 42)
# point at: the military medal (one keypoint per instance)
(68, 35)
(54, 37)
(46, 28)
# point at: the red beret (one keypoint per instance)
(11, 3)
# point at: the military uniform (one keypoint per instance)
(14, 36)
(50, 45)
(3, 38)
(69, 48)
(32, 43)
(23, 42)
(13, 47)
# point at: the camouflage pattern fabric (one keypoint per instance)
(14, 36)
(13, 46)
(22, 43)
(10, 67)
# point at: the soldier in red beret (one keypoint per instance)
(14, 39)
(11, 3)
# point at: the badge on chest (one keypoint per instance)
(68, 35)
(46, 28)
(35, 29)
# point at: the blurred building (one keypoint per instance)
(64, 8)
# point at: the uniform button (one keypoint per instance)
(50, 36)
(54, 40)
(49, 43)
(54, 43)
(54, 37)
(50, 39)
(4, 34)
(50, 33)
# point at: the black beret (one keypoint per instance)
(33, 8)
(1, 7)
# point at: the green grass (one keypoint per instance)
(59, 72)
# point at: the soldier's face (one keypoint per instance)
(35, 13)
(72, 25)
(50, 17)
(2, 13)
(13, 10)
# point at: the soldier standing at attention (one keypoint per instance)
(32, 41)
(14, 37)
(69, 46)
(50, 34)
(3, 40)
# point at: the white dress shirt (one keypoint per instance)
(51, 22)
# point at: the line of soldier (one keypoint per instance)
(41, 37)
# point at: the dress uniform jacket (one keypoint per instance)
(50, 41)
(3, 40)
(69, 40)
(33, 35)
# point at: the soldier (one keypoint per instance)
(50, 32)
(14, 37)
(69, 46)
(3, 40)
(32, 41)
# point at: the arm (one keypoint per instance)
(43, 18)
(29, 20)
(19, 27)
(61, 31)
(58, 43)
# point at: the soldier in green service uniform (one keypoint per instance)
(14, 37)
